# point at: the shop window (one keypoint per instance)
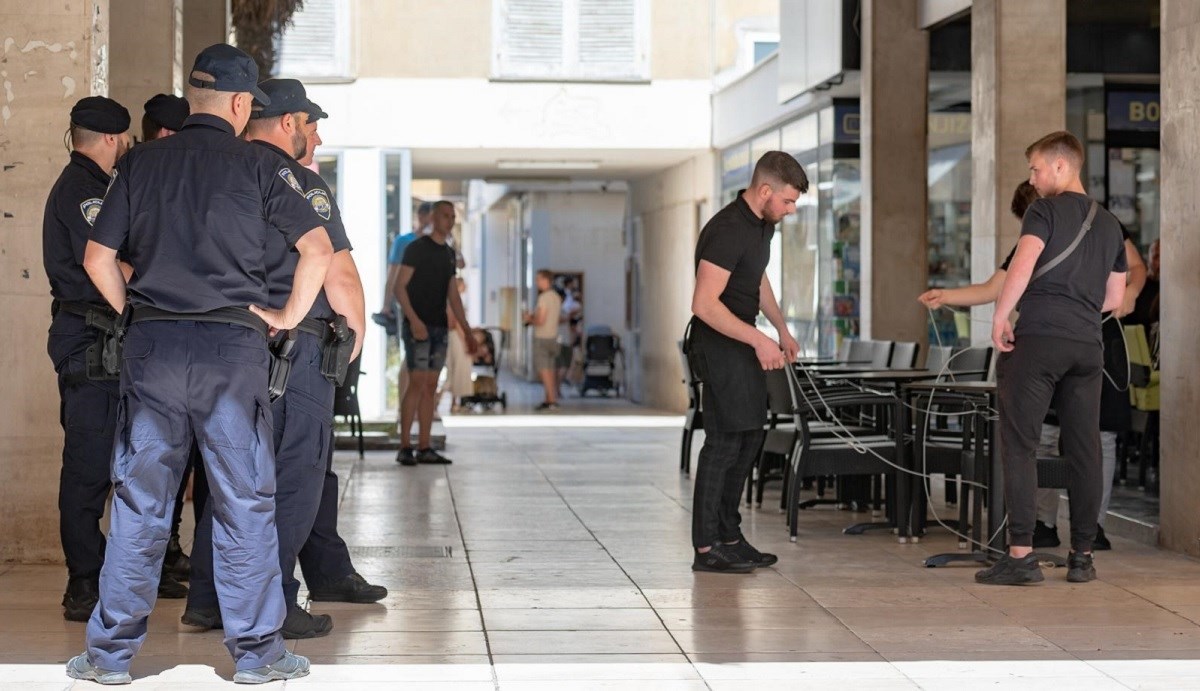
(316, 44)
(564, 40)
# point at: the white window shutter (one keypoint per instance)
(530, 38)
(609, 39)
(316, 43)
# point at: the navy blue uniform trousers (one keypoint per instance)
(303, 419)
(88, 415)
(180, 381)
(325, 557)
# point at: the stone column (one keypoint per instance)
(894, 150)
(51, 55)
(146, 52)
(1018, 94)
(1179, 520)
(205, 22)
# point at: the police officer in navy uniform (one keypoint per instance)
(194, 212)
(99, 138)
(303, 416)
(164, 116)
(325, 559)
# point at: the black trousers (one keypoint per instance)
(1039, 369)
(724, 463)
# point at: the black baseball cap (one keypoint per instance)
(283, 96)
(100, 114)
(221, 67)
(168, 110)
(315, 113)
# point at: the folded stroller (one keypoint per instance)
(601, 353)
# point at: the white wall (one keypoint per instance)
(672, 207)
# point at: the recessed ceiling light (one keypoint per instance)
(525, 164)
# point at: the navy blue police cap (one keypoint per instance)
(284, 96)
(168, 110)
(221, 67)
(100, 114)
(315, 113)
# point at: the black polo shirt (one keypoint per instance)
(282, 259)
(1066, 302)
(738, 241)
(195, 210)
(71, 209)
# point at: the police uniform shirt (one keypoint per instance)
(194, 211)
(282, 259)
(1066, 301)
(71, 210)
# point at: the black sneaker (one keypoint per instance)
(405, 456)
(1045, 536)
(1080, 568)
(197, 619)
(432, 457)
(546, 407)
(176, 563)
(301, 624)
(722, 559)
(352, 588)
(747, 552)
(171, 589)
(1101, 543)
(1011, 571)
(80, 599)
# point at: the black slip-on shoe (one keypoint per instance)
(198, 619)
(748, 553)
(1011, 571)
(721, 559)
(353, 588)
(406, 456)
(80, 599)
(1080, 568)
(301, 624)
(432, 457)
(1045, 536)
(1101, 543)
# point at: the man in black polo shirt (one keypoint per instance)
(1069, 267)
(194, 211)
(425, 289)
(732, 356)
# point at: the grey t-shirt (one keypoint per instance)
(1066, 302)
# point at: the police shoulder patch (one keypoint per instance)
(319, 199)
(290, 178)
(91, 209)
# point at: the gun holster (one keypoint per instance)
(103, 358)
(281, 365)
(336, 348)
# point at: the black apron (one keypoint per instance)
(735, 385)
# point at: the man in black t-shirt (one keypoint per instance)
(731, 356)
(424, 289)
(1068, 268)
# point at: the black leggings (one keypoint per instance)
(1038, 370)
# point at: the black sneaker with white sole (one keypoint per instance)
(1012, 571)
(722, 559)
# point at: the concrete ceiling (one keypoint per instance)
(611, 164)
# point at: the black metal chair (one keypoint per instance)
(694, 418)
(345, 404)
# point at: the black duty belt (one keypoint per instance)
(238, 316)
(81, 309)
(314, 326)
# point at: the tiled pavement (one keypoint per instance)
(569, 568)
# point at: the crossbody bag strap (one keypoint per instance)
(1083, 230)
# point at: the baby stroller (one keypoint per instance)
(601, 350)
(485, 372)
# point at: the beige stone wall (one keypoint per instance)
(146, 50)
(53, 54)
(669, 205)
(205, 22)
(1180, 474)
(421, 39)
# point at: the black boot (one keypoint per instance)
(301, 624)
(176, 563)
(80, 598)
